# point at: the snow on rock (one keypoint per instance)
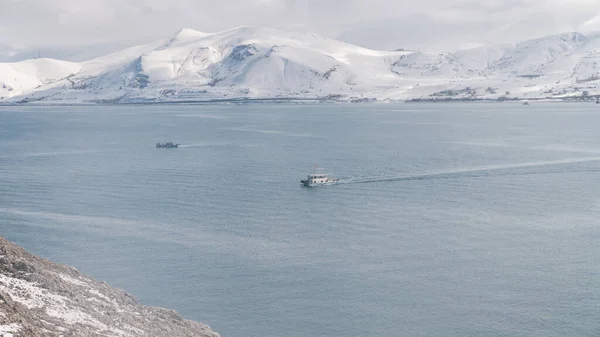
(7, 330)
(40, 298)
(263, 63)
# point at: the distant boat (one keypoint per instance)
(525, 103)
(167, 145)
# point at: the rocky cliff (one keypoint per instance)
(41, 298)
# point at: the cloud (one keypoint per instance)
(30, 23)
(62, 21)
(456, 24)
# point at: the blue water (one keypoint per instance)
(451, 220)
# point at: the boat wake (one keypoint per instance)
(485, 171)
(56, 153)
(204, 145)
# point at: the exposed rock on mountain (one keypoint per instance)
(41, 298)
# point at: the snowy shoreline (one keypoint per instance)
(293, 101)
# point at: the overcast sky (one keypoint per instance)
(376, 23)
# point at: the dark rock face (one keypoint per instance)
(41, 298)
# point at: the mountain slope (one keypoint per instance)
(41, 298)
(250, 62)
(20, 77)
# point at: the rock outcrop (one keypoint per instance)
(41, 298)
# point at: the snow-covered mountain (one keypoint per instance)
(262, 63)
(21, 77)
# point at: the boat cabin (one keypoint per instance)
(317, 178)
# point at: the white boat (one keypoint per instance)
(318, 179)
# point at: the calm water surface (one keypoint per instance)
(452, 220)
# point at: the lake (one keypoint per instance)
(450, 219)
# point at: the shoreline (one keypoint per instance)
(308, 101)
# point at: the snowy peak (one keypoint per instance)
(242, 61)
(184, 35)
(545, 56)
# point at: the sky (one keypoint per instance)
(95, 25)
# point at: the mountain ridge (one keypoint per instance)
(252, 62)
